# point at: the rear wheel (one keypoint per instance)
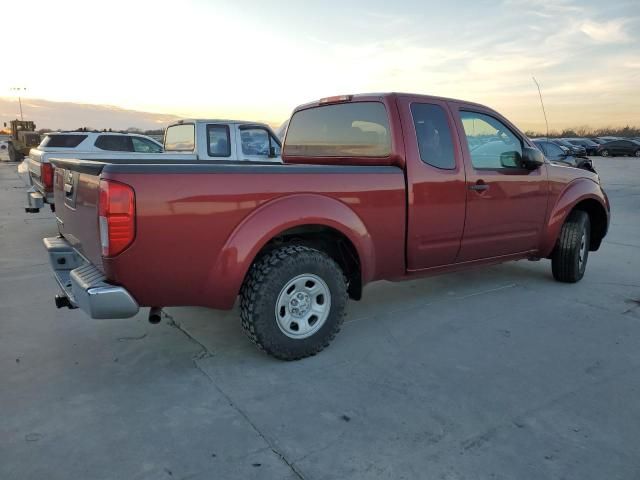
(637, 153)
(12, 153)
(569, 258)
(293, 302)
(604, 153)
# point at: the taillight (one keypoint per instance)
(116, 213)
(46, 176)
(336, 99)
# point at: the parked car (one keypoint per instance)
(187, 140)
(575, 150)
(609, 139)
(374, 186)
(88, 144)
(560, 154)
(620, 148)
(590, 146)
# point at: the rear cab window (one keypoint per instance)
(62, 141)
(358, 129)
(180, 138)
(218, 141)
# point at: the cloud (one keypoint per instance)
(68, 115)
(612, 31)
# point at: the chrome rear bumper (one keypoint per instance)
(85, 286)
(35, 201)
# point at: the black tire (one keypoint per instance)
(263, 287)
(637, 153)
(569, 258)
(12, 153)
(604, 153)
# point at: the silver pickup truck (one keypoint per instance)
(186, 140)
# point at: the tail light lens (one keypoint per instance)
(46, 176)
(116, 212)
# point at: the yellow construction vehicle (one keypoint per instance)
(23, 139)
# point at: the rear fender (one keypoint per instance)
(577, 191)
(266, 223)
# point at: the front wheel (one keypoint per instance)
(293, 302)
(637, 153)
(604, 153)
(569, 258)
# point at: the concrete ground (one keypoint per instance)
(497, 373)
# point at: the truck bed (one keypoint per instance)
(188, 214)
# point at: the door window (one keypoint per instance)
(256, 142)
(433, 135)
(142, 145)
(491, 144)
(114, 143)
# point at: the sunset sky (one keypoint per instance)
(257, 60)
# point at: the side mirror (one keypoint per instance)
(532, 158)
(511, 159)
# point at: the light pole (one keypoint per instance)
(19, 89)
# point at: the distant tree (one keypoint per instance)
(586, 131)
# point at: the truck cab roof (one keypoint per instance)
(379, 96)
(217, 120)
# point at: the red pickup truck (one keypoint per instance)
(377, 186)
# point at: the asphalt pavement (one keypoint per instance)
(494, 373)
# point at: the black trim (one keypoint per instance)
(81, 166)
(211, 126)
(245, 167)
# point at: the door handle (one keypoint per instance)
(480, 186)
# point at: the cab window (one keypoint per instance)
(218, 142)
(433, 135)
(359, 129)
(257, 141)
(491, 144)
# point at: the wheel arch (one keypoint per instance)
(313, 220)
(582, 194)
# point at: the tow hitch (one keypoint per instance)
(63, 301)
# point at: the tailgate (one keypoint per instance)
(76, 194)
(33, 165)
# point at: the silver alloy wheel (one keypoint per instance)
(583, 250)
(604, 153)
(637, 153)
(303, 306)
